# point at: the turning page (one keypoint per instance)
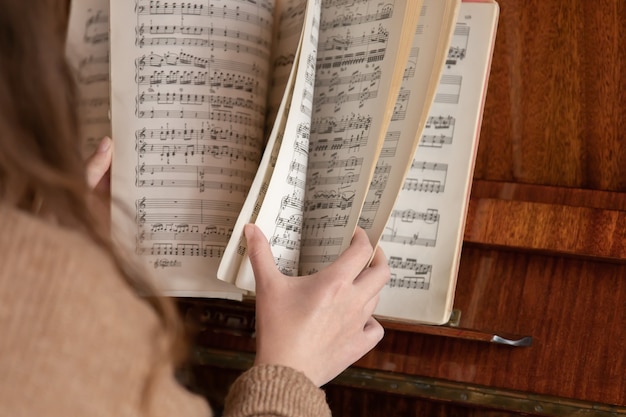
(423, 237)
(352, 59)
(87, 51)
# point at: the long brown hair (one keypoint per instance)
(41, 167)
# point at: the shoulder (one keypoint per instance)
(66, 313)
(44, 261)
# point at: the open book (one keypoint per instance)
(308, 118)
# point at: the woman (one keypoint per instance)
(75, 339)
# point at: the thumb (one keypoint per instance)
(259, 251)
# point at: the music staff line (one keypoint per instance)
(237, 40)
(186, 152)
(349, 141)
(181, 249)
(197, 135)
(332, 125)
(225, 220)
(148, 112)
(200, 171)
(423, 232)
(97, 28)
(212, 45)
(350, 19)
(186, 204)
(157, 8)
(449, 90)
(409, 282)
(188, 236)
(426, 177)
(408, 273)
(458, 46)
(293, 15)
(216, 102)
(351, 80)
(399, 109)
(184, 59)
(215, 80)
(200, 184)
(343, 43)
(441, 123)
(344, 60)
(412, 240)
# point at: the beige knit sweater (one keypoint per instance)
(75, 340)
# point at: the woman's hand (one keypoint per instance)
(322, 323)
(98, 167)
(98, 172)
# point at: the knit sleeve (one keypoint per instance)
(275, 391)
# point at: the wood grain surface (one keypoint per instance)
(544, 252)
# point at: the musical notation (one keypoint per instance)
(399, 110)
(199, 91)
(147, 112)
(97, 28)
(215, 102)
(413, 239)
(325, 125)
(146, 216)
(449, 89)
(200, 134)
(438, 131)
(206, 36)
(94, 68)
(458, 45)
(350, 69)
(409, 274)
(226, 12)
(185, 227)
(88, 54)
(216, 80)
(409, 282)
(430, 220)
(180, 249)
(329, 200)
(213, 62)
(352, 80)
(440, 122)
(343, 43)
(290, 21)
(345, 60)
(186, 153)
(430, 216)
(347, 19)
(409, 70)
(306, 103)
(176, 178)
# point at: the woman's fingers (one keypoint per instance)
(374, 277)
(99, 163)
(373, 333)
(354, 259)
(260, 254)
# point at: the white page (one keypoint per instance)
(424, 235)
(87, 51)
(188, 104)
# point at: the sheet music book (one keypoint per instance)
(308, 118)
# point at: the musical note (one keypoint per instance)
(458, 45)
(199, 90)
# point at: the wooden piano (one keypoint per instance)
(544, 253)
